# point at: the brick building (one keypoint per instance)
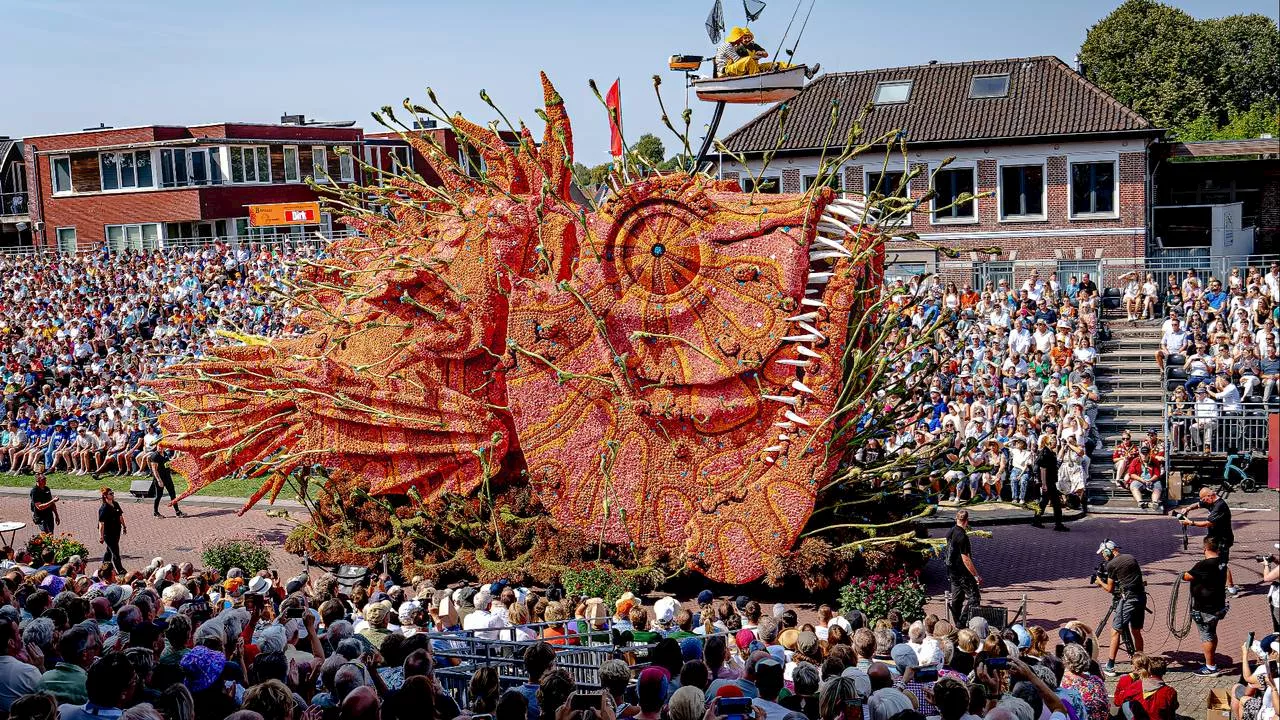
(1066, 164)
(15, 222)
(387, 152)
(140, 186)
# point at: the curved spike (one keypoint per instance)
(502, 167)
(452, 175)
(556, 153)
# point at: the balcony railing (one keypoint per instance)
(1222, 432)
(316, 240)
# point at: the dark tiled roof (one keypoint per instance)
(1045, 98)
(7, 145)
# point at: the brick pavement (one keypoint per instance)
(1053, 569)
(172, 538)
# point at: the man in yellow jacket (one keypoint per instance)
(739, 55)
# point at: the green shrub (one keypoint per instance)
(247, 553)
(64, 546)
(877, 594)
(595, 581)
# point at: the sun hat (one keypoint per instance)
(691, 649)
(202, 667)
(904, 656)
(377, 612)
(744, 638)
(705, 597)
(1024, 637)
(664, 610)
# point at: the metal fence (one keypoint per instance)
(1108, 273)
(1220, 432)
(273, 239)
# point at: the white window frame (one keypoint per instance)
(57, 236)
(867, 172)
(972, 167)
(186, 166)
(1114, 160)
(320, 170)
(53, 176)
(255, 149)
(776, 179)
(142, 241)
(347, 165)
(807, 181)
(295, 165)
(875, 93)
(1044, 191)
(985, 76)
(119, 188)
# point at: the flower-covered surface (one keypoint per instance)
(663, 369)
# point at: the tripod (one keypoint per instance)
(1126, 637)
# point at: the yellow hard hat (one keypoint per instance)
(737, 34)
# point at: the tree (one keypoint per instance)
(650, 148)
(1176, 70)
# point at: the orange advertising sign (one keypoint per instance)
(299, 213)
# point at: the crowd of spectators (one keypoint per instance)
(170, 642)
(1013, 373)
(78, 333)
(1220, 351)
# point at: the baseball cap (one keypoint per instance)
(1107, 546)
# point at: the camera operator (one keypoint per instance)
(1219, 524)
(1208, 580)
(1121, 576)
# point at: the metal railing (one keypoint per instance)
(278, 239)
(1222, 432)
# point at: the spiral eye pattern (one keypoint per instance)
(656, 249)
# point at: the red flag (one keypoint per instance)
(613, 101)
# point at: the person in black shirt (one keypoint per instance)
(963, 574)
(162, 481)
(1219, 524)
(44, 506)
(1087, 284)
(1125, 577)
(1046, 469)
(1208, 580)
(110, 526)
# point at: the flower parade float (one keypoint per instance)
(496, 380)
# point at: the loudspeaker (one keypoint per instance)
(140, 489)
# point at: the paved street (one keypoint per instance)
(172, 538)
(1052, 570)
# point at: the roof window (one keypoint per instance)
(989, 86)
(896, 91)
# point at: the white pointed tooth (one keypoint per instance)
(806, 326)
(848, 204)
(827, 255)
(801, 387)
(796, 363)
(796, 418)
(802, 338)
(806, 351)
(782, 399)
(819, 278)
(805, 316)
(831, 230)
(831, 220)
(811, 291)
(783, 436)
(768, 459)
(785, 424)
(856, 213)
(827, 242)
(774, 449)
(810, 302)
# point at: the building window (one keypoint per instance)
(216, 173)
(904, 271)
(250, 164)
(173, 168)
(992, 272)
(770, 184)
(1093, 188)
(62, 176)
(67, 239)
(888, 93)
(950, 184)
(125, 170)
(888, 184)
(471, 161)
(319, 163)
(1021, 191)
(141, 236)
(832, 181)
(989, 86)
(182, 167)
(347, 166)
(291, 172)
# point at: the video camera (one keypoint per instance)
(1100, 573)
(1179, 516)
(1266, 559)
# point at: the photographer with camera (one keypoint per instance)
(1219, 524)
(1121, 576)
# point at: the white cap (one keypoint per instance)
(664, 610)
(1107, 546)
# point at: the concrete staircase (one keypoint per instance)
(1132, 394)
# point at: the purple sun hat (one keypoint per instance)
(202, 667)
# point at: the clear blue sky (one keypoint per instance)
(70, 64)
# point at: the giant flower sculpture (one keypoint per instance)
(662, 370)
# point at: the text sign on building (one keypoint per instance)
(300, 213)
